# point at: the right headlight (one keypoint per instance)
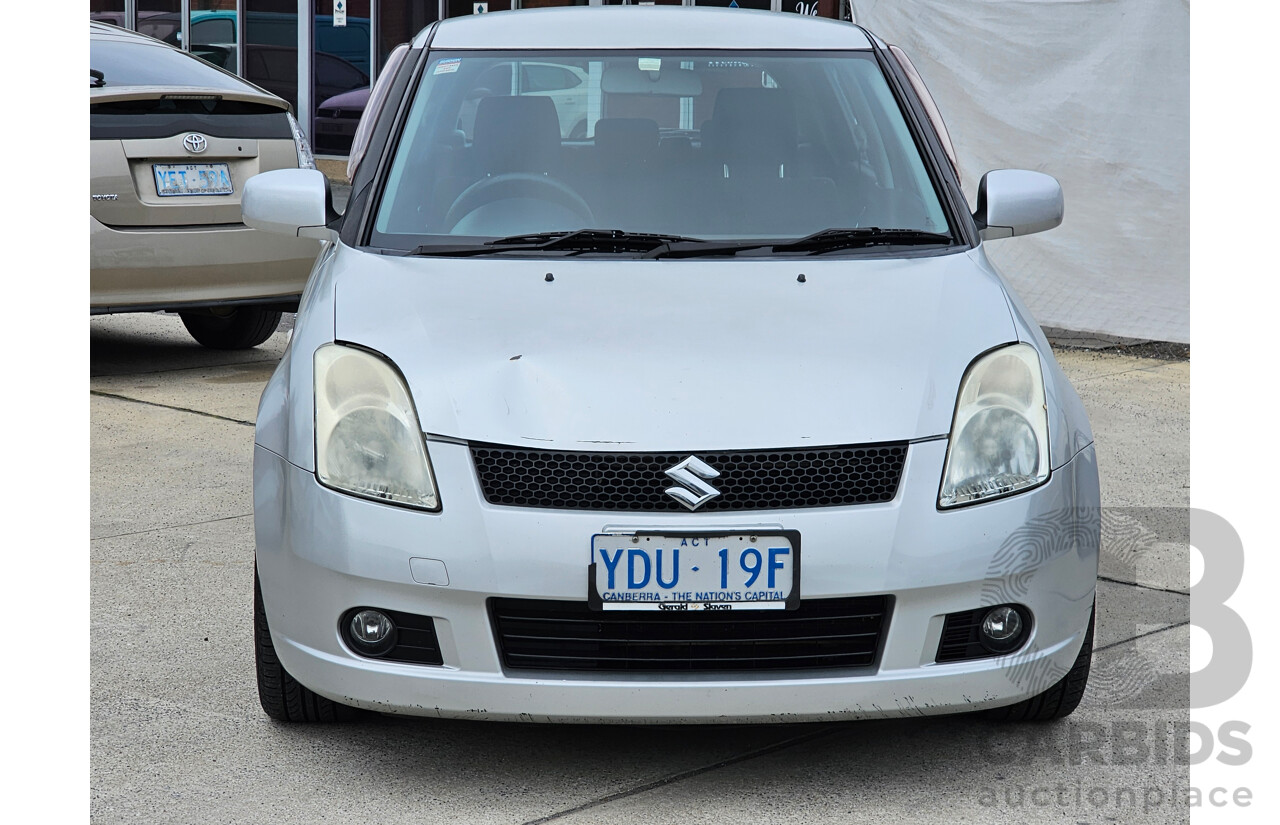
(1000, 434)
(368, 441)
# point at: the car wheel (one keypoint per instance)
(1061, 699)
(237, 328)
(282, 697)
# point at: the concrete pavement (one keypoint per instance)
(177, 734)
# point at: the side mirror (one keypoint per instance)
(1017, 202)
(294, 202)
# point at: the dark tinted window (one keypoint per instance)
(338, 73)
(217, 30)
(126, 119)
(142, 64)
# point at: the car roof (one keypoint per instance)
(643, 27)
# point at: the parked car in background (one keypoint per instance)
(275, 68)
(172, 143)
(336, 121)
(718, 414)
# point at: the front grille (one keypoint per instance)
(748, 480)
(821, 633)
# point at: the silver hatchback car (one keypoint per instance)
(714, 411)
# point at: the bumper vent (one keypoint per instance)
(821, 633)
(960, 637)
(755, 480)
(416, 641)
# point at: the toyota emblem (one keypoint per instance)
(195, 144)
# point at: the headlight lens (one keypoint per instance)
(1000, 435)
(306, 160)
(368, 441)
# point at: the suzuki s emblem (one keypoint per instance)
(195, 144)
(693, 491)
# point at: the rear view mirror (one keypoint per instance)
(294, 202)
(1015, 202)
(668, 82)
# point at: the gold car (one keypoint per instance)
(173, 140)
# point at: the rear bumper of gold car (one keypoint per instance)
(168, 267)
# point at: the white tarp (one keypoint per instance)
(1095, 93)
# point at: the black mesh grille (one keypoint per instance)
(821, 633)
(755, 480)
(960, 637)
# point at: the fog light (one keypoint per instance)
(1002, 629)
(372, 632)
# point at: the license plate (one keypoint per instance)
(738, 571)
(192, 179)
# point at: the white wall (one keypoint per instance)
(1095, 93)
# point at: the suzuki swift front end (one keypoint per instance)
(712, 410)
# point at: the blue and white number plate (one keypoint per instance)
(739, 571)
(192, 179)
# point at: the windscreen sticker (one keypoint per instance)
(448, 66)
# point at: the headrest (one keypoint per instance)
(755, 127)
(627, 137)
(516, 134)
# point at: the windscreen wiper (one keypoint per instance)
(827, 240)
(582, 240)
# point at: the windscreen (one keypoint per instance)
(711, 145)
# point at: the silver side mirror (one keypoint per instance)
(294, 202)
(1017, 202)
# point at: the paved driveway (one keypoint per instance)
(177, 734)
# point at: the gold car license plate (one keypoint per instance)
(192, 179)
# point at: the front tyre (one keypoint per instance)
(231, 328)
(282, 697)
(1061, 699)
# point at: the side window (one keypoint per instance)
(537, 77)
(931, 108)
(218, 30)
(335, 72)
(377, 98)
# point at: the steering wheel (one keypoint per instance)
(516, 185)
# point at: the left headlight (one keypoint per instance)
(368, 441)
(1000, 434)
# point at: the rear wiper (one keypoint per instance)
(829, 240)
(582, 240)
(97, 79)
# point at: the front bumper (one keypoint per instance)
(164, 267)
(320, 553)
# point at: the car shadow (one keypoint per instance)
(158, 342)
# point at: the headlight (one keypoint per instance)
(368, 441)
(1000, 434)
(306, 160)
